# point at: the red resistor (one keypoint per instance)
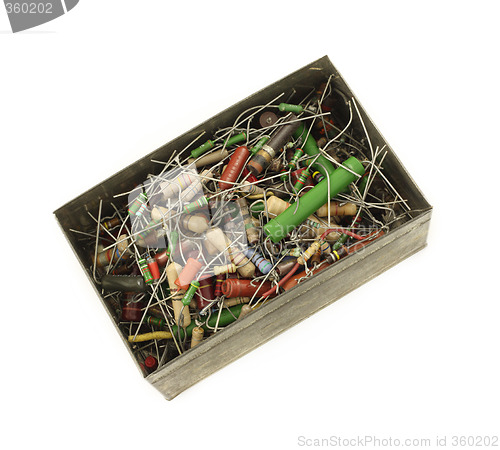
(153, 268)
(234, 168)
(162, 258)
(243, 288)
(188, 273)
(151, 363)
(205, 293)
(218, 285)
(131, 311)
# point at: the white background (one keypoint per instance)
(412, 354)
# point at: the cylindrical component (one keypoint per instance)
(111, 223)
(218, 285)
(151, 363)
(244, 311)
(262, 264)
(211, 158)
(312, 200)
(143, 265)
(251, 189)
(154, 321)
(202, 149)
(171, 188)
(205, 293)
(267, 118)
(317, 177)
(236, 139)
(325, 248)
(188, 273)
(227, 268)
(196, 336)
(316, 258)
(138, 206)
(234, 168)
(154, 270)
(244, 266)
(197, 223)
(301, 182)
(228, 302)
(253, 234)
(340, 242)
(312, 249)
(335, 255)
(188, 296)
(259, 144)
(285, 265)
(298, 276)
(209, 247)
(173, 270)
(123, 283)
(292, 164)
(243, 288)
(297, 109)
(162, 258)
(261, 160)
(196, 205)
(348, 209)
(131, 311)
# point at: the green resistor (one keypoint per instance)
(194, 206)
(236, 139)
(259, 145)
(257, 207)
(155, 321)
(287, 107)
(292, 164)
(284, 174)
(188, 296)
(312, 223)
(146, 273)
(300, 183)
(138, 205)
(202, 149)
(340, 242)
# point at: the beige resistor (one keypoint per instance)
(228, 302)
(316, 258)
(159, 213)
(211, 158)
(253, 234)
(313, 248)
(348, 209)
(210, 248)
(197, 223)
(173, 271)
(251, 189)
(244, 311)
(243, 265)
(325, 248)
(197, 336)
(171, 188)
(227, 268)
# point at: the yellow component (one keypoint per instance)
(150, 336)
(309, 252)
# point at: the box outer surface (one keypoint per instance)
(301, 301)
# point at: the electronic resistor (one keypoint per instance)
(252, 232)
(188, 273)
(292, 164)
(218, 285)
(316, 258)
(138, 206)
(311, 250)
(153, 268)
(244, 288)
(212, 158)
(251, 189)
(347, 209)
(302, 180)
(259, 144)
(228, 302)
(200, 203)
(173, 269)
(197, 223)
(111, 223)
(325, 248)
(234, 168)
(286, 264)
(121, 249)
(197, 336)
(287, 107)
(227, 268)
(154, 321)
(262, 264)
(188, 296)
(317, 177)
(131, 311)
(171, 188)
(205, 293)
(335, 255)
(143, 265)
(245, 310)
(202, 149)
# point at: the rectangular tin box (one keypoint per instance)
(294, 305)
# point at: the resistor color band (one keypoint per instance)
(262, 264)
(243, 288)
(253, 234)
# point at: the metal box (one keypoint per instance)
(295, 305)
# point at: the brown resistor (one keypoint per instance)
(253, 234)
(348, 209)
(244, 311)
(243, 288)
(234, 168)
(228, 302)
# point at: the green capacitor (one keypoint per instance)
(236, 139)
(310, 147)
(287, 107)
(202, 149)
(312, 200)
(188, 296)
(259, 145)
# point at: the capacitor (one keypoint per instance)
(173, 269)
(245, 310)
(196, 336)
(234, 168)
(188, 296)
(259, 144)
(347, 209)
(228, 302)
(267, 118)
(188, 273)
(131, 311)
(287, 107)
(252, 232)
(123, 283)
(243, 288)
(143, 265)
(261, 160)
(244, 266)
(138, 206)
(197, 223)
(205, 293)
(200, 203)
(153, 268)
(262, 264)
(151, 363)
(154, 321)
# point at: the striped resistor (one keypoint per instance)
(262, 264)
(146, 273)
(227, 268)
(251, 189)
(301, 182)
(138, 206)
(253, 234)
(218, 285)
(314, 247)
(292, 164)
(196, 205)
(155, 321)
